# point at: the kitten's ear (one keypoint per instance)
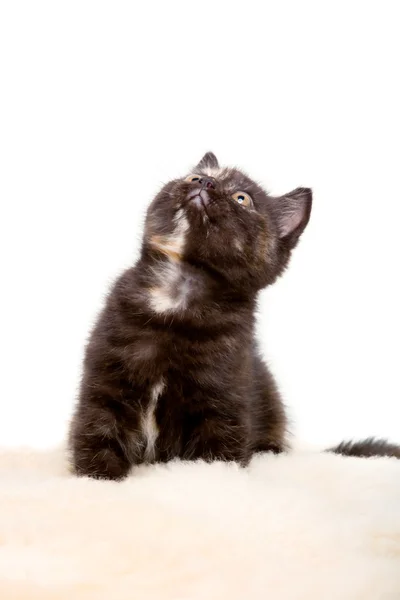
(292, 212)
(208, 160)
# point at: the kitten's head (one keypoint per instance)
(220, 220)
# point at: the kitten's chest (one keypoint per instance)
(190, 357)
(184, 375)
(187, 380)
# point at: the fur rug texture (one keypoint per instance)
(302, 526)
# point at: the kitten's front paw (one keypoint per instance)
(103, 463)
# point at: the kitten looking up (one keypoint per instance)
(172, 367)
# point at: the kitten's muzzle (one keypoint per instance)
(207, 183)
(198, 192)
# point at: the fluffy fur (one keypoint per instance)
(301, 526)
(367, 448)
(172, 367)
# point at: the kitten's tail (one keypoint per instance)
(367, 448)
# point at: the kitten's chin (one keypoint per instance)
(198, 197)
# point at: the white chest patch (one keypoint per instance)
(172, 288)
(238, 245)
(149, 423)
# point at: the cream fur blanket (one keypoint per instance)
(304, 526)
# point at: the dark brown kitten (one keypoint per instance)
(172, 367)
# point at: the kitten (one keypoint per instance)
(172, 368)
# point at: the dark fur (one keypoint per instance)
(367, 448)
(219, 400)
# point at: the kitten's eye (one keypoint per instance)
(242, 198)
(193, 178)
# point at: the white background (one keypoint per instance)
(101, 102)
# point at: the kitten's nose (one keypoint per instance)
(207, 182)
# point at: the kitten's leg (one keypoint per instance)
(102, 441)
(270, 427)
(275, 448)
(269, 421)
(217, 437)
